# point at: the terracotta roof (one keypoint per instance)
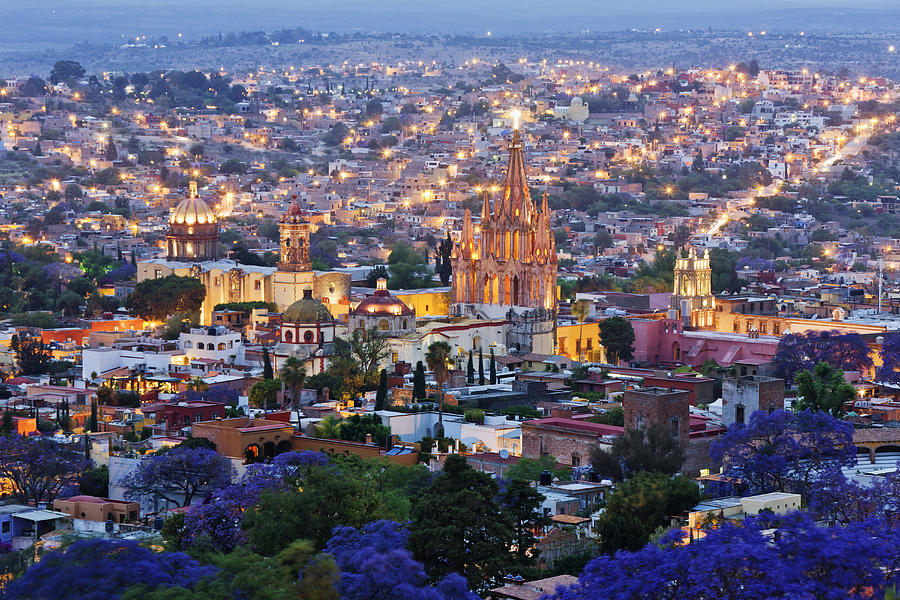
(586, 426)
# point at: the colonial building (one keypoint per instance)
(307, 332)
(509, 269)
(692, 300)
(390, 315)
(192, 251)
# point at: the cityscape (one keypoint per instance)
(537, 308)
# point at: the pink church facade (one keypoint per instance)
(665, 341)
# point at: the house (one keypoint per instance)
(92, 508)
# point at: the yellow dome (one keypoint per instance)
(192, 211)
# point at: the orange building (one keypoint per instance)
(92, 508)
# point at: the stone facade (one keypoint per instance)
(692, 299)
(650, 405)
(512, 262)
(743, 396)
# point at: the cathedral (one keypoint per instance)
(192, 250)
(507, 267)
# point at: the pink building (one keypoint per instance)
(665, 341)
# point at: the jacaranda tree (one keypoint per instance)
(803, 351)
(179, 475)
(102, 569)
(746, 562)
(375, 565)
(890, 359)
(38, 468)
(783, 451)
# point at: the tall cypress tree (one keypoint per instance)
(419, 382)
(381, 394)
(267, 364)
(493, 368)
(470, 370)
(92, 424)
(480, 367)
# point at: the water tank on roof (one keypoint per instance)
(546, 478)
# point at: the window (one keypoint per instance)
(576, 460)
(776, 328)
(158, 274)
(737, 327)
(288, 336)
(257, 285)
(308, 337)
(739, 414)
(198, 417)
(6, 526)
(762, 327)
(676, 427)
(394, 357)
(383, 325)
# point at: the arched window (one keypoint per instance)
(221, 346)
(308, 337)
(200, 346)
(289, 336)
(403, 324)
(188, 345)
(383, 325)
(676, 352)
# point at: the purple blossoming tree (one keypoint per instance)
(803, 351)
(784, 451)
(745, 562)
(39, 468)
(179, 475)
(375, 565)
(103, 569)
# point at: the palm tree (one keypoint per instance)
(580, 310)
(328, 428)
(438, 360)
(293, 374)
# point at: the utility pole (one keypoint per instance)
(880, 277)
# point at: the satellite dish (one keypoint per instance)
(504, 453)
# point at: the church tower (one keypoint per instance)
(506, 269)
(294, 233)
(692, 300)
(512, 263)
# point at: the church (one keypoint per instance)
(192, 250)
(507, 267)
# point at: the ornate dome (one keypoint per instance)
(307, 310)
(382, 303)
(192, 211)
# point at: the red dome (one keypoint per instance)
(382, 303)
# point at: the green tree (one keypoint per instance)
(621, 532)
(493, 368)
(264, 394)
(470, 370)
(529, 469)
(66, 71)
(438, 359)
(32, 357)
(824, 389)
(381, 395)
(293, 374)
(653, 498)
(419, 391)
(156, 299)
(268, 373)
(480, 367)
(637, 451)
(457, 526)
(617, 336)
(521, 504)
(409, 269)
(95, 482)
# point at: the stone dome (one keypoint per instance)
(307, 310)
(382, 303)
(577, 101)
(192, 211)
